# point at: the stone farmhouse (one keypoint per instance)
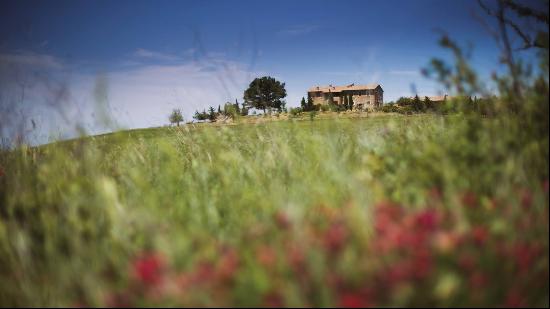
(364, 96)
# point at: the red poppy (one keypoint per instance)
(352, 300)
(480, 235)
(427, 219)
(335, 237)
(227, 266)
(469, 199)
(148, 268)
(282, 220)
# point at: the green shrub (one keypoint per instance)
(295, 111)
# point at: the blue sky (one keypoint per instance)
(159, 55)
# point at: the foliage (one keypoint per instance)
(310, 105)
(211, 114)
(265, 93)
(231, 110)
(417, 104)
(390, 108)
(428, 104)
(156, 217)
(303, 104)
(176, 116)
(200, 116)
(295, 111)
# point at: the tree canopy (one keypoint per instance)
(265, 93)
(176, 116)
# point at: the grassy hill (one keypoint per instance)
(387, 210)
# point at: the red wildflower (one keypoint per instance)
(526, 199)
(352, 300)
(445, 242)
(148, 268)
(386, 215)
(296, 257)
(282, 220)
(467, 262)
(525, 254)
(118, 300)
(422, 265)
(427, 219)
(514, 300)
(469, 199)
(335, 237)
(266, 255)
(227, 265)
(478, 280)
(480, 235)
(204, 272)
(392, 210)
(397, 272)
(273, 300)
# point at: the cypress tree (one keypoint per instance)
(310, 106)
(212, 114)
(237, 107)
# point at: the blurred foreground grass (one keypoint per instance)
(390, 210)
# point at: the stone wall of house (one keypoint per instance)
(363, 102)
(360, 101)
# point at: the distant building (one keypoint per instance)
(364, 96)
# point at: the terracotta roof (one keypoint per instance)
(331, 88)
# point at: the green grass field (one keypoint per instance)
(387, 210)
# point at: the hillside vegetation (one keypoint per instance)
(394, 210)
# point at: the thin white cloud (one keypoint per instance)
(190, 51)
(31, 59)
(32, 86)
(137, 95)
(147, 94)
(299, 30)
(154, 55)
